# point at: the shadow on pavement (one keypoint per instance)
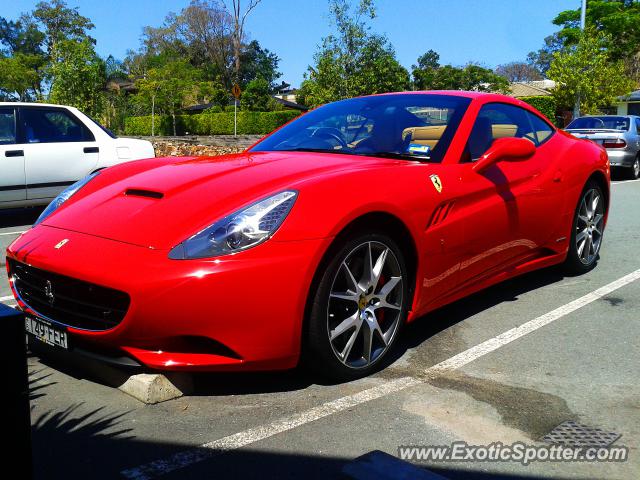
(36, 385)
(97, 444)
(422, 329)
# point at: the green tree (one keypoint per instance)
(205, 33)
(585, 72)
(22, 59)
(352, 61)
(541, 59)
(258, 63)
(619, 20)
(77, 75)
(61, 23)
(168, 88)
(18, 77)
(31, 47)
(257, 96)
(428, 74)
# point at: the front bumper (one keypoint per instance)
(240, 311)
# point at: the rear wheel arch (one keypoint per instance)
(599, 178)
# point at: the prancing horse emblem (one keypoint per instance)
(61, 243)
(48, 291)
(435, 179)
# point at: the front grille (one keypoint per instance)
(67, 300)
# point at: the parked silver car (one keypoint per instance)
(619, 134)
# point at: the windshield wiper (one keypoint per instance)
(316, 150)
(402, 156)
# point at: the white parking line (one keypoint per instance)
(2, 234)
(253, 435)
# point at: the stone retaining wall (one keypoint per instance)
(200, 146)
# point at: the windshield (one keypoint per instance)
(609, 123)
(411, 126)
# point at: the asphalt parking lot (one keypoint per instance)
(506, 365)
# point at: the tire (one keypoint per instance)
(634, 171)
(587, 230)
(349, 305)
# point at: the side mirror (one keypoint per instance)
(509, 148)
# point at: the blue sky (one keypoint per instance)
(490, 32)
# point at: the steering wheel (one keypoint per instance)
(330, 132)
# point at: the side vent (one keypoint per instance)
(440, 214)
(136, 192)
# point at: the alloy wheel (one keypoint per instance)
(589, 226)
(365, 304)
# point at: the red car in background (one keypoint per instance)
(320, 241)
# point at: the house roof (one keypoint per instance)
(520, 89)
(288, 104)
(200, 107)
(631, 97)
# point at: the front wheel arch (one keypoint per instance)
(372, 222)
(378, 222)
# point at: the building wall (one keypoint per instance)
(629, 108)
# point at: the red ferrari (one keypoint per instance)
(319, 242)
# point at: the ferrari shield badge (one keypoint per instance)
(435, 179)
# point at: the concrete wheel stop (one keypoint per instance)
(153, 388)
(147, 387)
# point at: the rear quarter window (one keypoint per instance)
(541, 129)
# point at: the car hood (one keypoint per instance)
(159, 203)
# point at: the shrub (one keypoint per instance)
(544, 104)
(142, 125)
(249, 123)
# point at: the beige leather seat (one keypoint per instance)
(543, 135)
(502, 130)
(424, 135)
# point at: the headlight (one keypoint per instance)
(238, 231)
(63, 197)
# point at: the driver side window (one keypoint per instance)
(497, 120)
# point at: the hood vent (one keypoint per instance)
(137, 192)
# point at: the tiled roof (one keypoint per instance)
(519, 89)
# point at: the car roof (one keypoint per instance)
(605, 116)
(31, 104)
(452, 93)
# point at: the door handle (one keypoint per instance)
(91, 149)
(14, 153)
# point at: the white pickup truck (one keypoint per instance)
(45, 148)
